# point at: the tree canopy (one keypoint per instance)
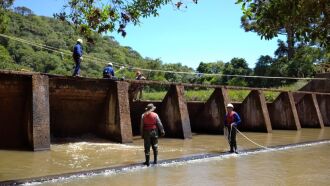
(304, 21)
(102, 16)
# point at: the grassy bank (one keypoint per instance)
(234, 95)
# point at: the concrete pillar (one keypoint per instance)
(174, 114)
(324, 105)
(211, 116)
(309, 112)
(118, 120)
(283, 112)
(254, 113)
(38, 124)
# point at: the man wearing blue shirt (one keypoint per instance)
(108, 72)
(232, 119)
(77, 57)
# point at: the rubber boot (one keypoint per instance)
(155, 157)
(147, 162)
(231, 149)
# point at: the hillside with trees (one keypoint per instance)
(47, 45)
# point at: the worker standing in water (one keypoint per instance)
(150, 124)
(77, 57)
(232, 119)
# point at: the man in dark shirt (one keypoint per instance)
(108, 71)
(77, 57)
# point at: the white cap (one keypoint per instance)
(80, 40)
(110, 64)
(230, 105)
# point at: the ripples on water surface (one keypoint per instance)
(297, 165)
(93, 154)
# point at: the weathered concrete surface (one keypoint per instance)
(324, 105)
(118, 120)
(174, 114)
(308, 111)
(283, 113)
(15, 91)
(254, 113)
(24, 111)
(90, 106)
(211, 115)
(137, 108)
(38, 125)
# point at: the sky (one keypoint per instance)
(207, 32)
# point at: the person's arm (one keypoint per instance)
(160, 126)
(237, 119)
(112, 72)
(79, 50)
(141, 126)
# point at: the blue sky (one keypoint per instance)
(209, 31)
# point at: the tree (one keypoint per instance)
(236, 66)
(110, 15)
(300, 20)
(4, 6)
(263, 68)
(22, 10)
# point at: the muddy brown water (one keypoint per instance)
(304, 165)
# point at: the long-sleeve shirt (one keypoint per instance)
(108, 70)
(77, 50)
(235, 119)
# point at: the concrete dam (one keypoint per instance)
(36, 107)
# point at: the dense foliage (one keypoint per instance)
(56, 34)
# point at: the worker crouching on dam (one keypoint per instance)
(150, 124)
(232, 119)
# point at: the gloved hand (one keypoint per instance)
(81, 58)
(233, 124)
(162, 133)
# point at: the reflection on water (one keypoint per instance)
(92, 154)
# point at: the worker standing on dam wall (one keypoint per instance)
(232, 119)
(77, 57)
(108, 72)
(150, 124)
(138, 93)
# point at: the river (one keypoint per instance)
(296, 165)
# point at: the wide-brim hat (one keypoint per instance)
(150, 107)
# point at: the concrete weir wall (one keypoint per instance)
(35, 107)
(254, 113)
(309, 111)
(24, 111)
(324, 106)
(210, 116)
(174, 113)
(82, 106)
(283, 113)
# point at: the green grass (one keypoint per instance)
(234, 95)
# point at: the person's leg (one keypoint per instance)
(233, 140)
(154, 143)
(146, 138)
(230, 139)
(77, 67)
(140, 96)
